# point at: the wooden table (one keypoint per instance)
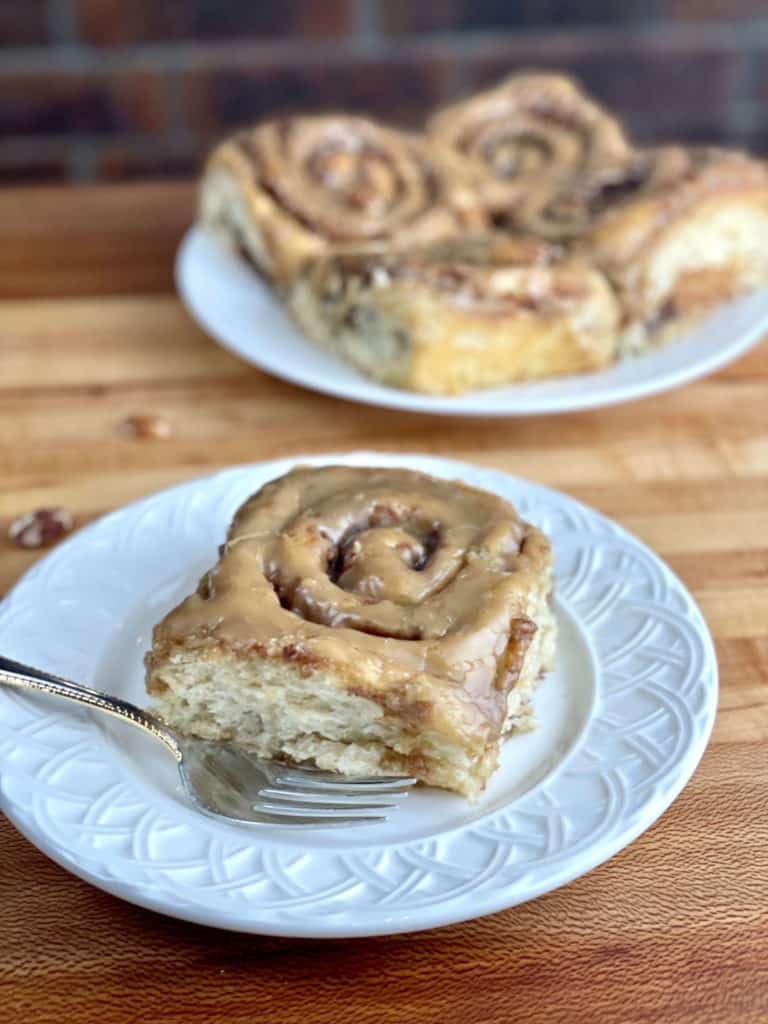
(673, 929)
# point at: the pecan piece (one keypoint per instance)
(40, 528)
(145, 427)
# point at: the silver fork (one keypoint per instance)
(226, 781)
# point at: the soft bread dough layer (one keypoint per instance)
(456, 315)
(370, 621)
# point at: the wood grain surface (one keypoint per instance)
(673, 929)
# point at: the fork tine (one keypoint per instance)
(322, 773)
(318, 813)
(291, 821)
(331, 781)
(321, 799)
(332, 789)
(256, 817)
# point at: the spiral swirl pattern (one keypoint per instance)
(555, 212)
(492, 274)
(532, 128)
(659, 184)
(386, 553)
(349, 179)
(397, 574)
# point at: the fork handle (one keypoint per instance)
(13, 673)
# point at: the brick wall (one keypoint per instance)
(109, 89)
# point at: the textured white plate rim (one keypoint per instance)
(365, 928)
(383, 925)
(204, 272)
(432, 916)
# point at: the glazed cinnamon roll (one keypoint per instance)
(369, 621)
(531, 130)
(684, 232)
(290, 189)
(460, 314)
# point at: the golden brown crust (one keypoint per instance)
(417, 592)
(673, 180)
(462, 313)
(492, 274)
(684, 231)
(533, 128)
(310, 183)
(659, 186)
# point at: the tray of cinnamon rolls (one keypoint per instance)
(520, 254)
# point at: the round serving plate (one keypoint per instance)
(624, 718)
(234, 305)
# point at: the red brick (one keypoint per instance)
(756, 140)
(120, 23)
(401, 91)
(405, 16)
(707, 128)
(399, 17)
(758, 86)
(15, 170)
(23, 23)
(628, 79)
(121, 161)
(659, 81)
(700, 10)
(116, 23)
(93, 104)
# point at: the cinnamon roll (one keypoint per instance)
(290, 189)
(369, 621)
(532, 130)
(460, 314)
(684, 232)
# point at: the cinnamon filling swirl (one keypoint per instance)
(672, 177)
(345, 178)
(370, 621)
(490, 273)
(411, 573)
(530, 127)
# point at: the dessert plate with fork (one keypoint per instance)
(623, 719)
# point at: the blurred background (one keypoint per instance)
(117, 89)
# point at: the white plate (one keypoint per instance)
(625, 718)
(234, 306)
